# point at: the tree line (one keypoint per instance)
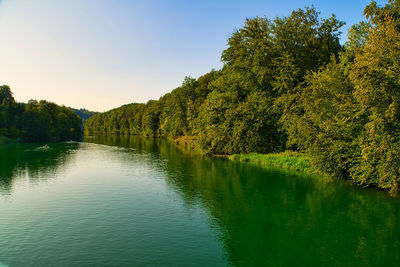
(288, 84)
(36, 120)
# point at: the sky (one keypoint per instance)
(101, 54)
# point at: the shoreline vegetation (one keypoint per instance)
(287, 160)
(35, 120)
(288, 84)
(291, 160)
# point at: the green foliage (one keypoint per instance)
(173, 115)
(378, 14)
(357, 37)
(331, 120)
(235, 110)
(376, 76)
(288, 159)
(6, 97)
(36, 121)
(287, 83)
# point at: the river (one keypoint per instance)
(129, 201)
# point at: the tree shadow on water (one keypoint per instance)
(32, 160)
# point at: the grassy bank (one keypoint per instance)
(290, 160)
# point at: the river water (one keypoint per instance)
(128, 201)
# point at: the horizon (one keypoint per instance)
(144, 50)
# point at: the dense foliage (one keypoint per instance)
(36, 121)
(288, 84)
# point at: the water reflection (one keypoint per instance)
(32, 161)
(268, 217)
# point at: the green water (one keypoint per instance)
(137, 202)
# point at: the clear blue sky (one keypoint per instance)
(100, 54)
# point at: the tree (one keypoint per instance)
(6, 96)
(376, 75)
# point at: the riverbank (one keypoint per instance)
(287, 160)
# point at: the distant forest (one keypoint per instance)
(83, 113)
(288, 84)
(36, 120)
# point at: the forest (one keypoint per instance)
(36, 120)
(288, 84)
(83, 113)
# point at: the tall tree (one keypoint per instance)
(376, 75)
(6, 96)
